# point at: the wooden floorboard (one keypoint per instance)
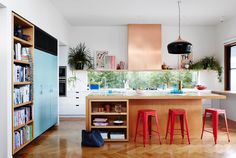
(64, 142)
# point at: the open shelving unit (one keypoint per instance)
(22, 84)
(97, 109)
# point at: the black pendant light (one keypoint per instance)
(179, 46)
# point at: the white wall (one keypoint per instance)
(114, 39)
(109, 38)
(226, 32)
(43, 14)
(202, 38)
(5, 84)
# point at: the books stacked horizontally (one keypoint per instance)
(117, 135)
(21, 73)
(21, 116)
(22, 136)
(100, 122)
(22, 94)
(21, 53)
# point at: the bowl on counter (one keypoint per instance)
(201, 87)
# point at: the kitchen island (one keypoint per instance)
(105, 106)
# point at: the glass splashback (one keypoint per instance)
(142, 79)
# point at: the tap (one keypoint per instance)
(105, 82)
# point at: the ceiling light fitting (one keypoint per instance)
(179, 46)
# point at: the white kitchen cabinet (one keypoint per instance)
(73, 105)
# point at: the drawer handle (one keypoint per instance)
(77, 97)
(77, 105)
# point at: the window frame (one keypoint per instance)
(227, 65)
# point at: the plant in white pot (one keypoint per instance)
(79, 57)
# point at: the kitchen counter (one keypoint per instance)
(155, 95)
(160, 101)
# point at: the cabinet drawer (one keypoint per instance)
(72, 109)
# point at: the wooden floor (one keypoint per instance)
(64, 142)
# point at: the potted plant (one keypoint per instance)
(208, 63)
(79, 56)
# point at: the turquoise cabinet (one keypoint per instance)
(45, 91)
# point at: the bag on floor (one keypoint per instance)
(92, 138)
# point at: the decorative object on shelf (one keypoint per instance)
(121, 65)
(100, 56)
(94, 86)
(108, 108)
(109, 62)
(208, 63)
(179, 46)
(201, 87)
(18, 31)
(79, 56)
(164, 66)
(118, 122)
(185, 60)
(118, 108)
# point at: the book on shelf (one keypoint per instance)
(21, 116)
(22, 94)
(22, 136)
(21, 53)
(21, 73)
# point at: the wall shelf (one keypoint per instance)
(22, 83)
(20, 126)
(108, 113)
(23, 104)
(21, 147)
(22, 42)
(21, 62)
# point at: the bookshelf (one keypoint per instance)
(22, 83)
(109, 111)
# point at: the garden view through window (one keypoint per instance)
(142, 79)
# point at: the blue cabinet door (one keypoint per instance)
(54, 90)
(45, 91)
(39, 93)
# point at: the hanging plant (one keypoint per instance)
(208, 63)
(79, 57)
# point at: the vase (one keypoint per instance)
(79, 66)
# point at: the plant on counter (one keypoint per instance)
(208, 63)
(79, 56)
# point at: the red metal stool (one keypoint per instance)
(215, 115)
(171, 123)
(146, 115)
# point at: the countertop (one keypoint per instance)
(224, 92)
(154, 95)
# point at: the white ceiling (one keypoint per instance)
(122, 12)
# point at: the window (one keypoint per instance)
(230, 67)
(142, 79)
